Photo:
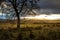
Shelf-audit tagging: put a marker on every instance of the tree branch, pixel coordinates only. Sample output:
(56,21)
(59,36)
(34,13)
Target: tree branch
(22,5)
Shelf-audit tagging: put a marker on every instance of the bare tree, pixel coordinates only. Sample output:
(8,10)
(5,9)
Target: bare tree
(21,4)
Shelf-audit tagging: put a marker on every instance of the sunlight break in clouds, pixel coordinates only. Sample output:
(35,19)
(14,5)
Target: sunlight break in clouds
(43,16)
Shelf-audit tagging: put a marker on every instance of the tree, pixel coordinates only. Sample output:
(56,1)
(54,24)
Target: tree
(19,5)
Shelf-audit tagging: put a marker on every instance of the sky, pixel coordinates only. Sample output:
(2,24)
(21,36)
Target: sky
(53,4)
(49,5)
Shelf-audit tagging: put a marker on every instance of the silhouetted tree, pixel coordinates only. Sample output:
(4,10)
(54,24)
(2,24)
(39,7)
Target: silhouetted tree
(19,5)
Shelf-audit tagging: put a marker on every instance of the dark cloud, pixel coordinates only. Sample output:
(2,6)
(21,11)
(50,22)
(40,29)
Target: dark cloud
(52,4)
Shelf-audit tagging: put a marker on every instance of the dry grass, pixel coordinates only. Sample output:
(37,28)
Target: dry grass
(29,23)
(30,30)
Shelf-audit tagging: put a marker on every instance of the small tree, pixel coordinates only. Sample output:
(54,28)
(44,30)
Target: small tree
(19,5)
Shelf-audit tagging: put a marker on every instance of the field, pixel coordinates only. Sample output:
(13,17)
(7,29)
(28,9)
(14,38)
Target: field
(30,30)
(5,24)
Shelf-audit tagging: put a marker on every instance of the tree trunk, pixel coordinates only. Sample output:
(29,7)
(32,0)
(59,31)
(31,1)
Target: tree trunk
(18,17)
(18,21)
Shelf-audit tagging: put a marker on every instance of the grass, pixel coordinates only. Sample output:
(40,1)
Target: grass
(30,30)
(29,23)
(30,34)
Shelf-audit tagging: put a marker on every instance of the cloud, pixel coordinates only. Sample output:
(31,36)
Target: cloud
(52,4)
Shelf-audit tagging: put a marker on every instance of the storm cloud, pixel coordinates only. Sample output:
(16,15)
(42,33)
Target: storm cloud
(52,4)
(49,6)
